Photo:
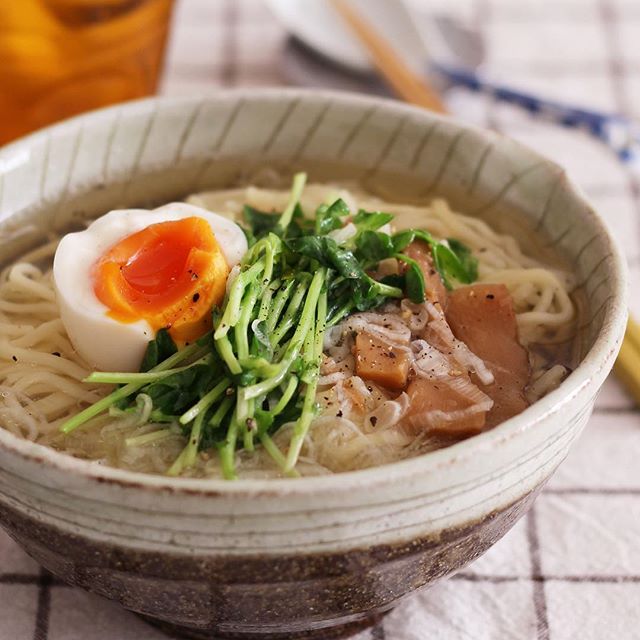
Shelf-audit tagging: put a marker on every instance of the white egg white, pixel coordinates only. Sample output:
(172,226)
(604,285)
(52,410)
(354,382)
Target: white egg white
(105,343)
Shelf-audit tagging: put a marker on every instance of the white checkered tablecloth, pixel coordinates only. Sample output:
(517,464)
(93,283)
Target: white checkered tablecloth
(571,568)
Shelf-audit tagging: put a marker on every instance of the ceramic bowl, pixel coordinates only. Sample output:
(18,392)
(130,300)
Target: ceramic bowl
(308,557)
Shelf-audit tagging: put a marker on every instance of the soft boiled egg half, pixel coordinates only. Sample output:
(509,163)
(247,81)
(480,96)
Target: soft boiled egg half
(133,272)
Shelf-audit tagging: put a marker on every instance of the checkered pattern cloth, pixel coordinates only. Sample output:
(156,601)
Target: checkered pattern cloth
(571,568)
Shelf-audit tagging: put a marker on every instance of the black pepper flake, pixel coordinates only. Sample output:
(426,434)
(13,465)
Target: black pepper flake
(196,297)
(57,354)
(339,414)
(490,296)
(14,358)
(194,276)
(373,421)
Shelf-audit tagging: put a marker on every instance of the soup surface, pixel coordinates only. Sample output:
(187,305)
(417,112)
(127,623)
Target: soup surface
(264,332)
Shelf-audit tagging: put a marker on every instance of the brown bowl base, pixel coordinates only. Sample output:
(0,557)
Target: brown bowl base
(332,633)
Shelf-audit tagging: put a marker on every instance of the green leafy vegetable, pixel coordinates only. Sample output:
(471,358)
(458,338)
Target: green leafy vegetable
(328,253)
(371,220)
(452,258)
(403,239)
(458,265)
(158,350)
(330,217)
(259,222)
(413,280)
(468,261)
(375,246)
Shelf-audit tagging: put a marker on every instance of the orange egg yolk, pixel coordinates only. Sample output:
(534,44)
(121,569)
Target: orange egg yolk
(169,274)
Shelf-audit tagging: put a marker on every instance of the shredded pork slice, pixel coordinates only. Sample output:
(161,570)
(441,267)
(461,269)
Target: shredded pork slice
(443,400)
(446,407)
(482,316)
(438,333)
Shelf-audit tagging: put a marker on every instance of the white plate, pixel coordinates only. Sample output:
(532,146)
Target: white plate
(320,27)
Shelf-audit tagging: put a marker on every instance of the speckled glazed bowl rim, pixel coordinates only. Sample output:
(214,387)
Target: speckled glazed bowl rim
(599,356)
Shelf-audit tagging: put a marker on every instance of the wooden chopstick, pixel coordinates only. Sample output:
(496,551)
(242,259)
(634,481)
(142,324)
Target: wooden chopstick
(627,366)
(404,82)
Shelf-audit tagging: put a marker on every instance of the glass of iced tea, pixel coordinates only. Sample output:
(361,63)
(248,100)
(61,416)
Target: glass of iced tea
(61,57)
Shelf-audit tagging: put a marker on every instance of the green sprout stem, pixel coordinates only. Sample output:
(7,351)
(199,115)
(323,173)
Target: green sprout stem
(267,297)
(297,341)
(287,394)
(228,451)
(232,312)
(191,450)
(299,180)
(272,449)
(308,408)
(241,329)
(119,394)
(290,315)
(278,304)
(205,402)
(178,464)
(223,408)
(148,438)
(225,350)
(249,431)
(121,377)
